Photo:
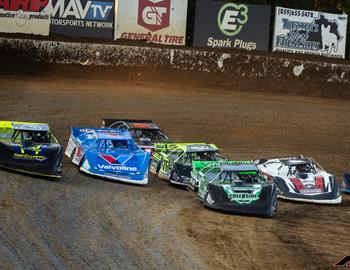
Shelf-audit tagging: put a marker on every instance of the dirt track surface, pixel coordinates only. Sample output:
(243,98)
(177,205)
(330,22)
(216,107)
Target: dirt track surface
(81,222)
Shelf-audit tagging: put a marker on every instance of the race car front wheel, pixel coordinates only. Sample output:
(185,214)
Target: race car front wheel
(273,206)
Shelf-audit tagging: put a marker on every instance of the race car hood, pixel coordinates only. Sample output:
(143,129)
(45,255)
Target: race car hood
(308,183)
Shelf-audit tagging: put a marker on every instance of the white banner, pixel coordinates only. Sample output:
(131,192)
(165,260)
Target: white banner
(28,17)
(156,21)
(310,32)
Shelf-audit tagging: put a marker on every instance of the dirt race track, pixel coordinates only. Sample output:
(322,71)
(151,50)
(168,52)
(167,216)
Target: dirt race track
(81,222)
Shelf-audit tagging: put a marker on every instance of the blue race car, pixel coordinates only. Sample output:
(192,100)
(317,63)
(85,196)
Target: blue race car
(108,153)
(345,187)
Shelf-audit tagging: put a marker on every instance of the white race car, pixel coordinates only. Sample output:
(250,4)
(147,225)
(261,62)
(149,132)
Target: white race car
(301,179)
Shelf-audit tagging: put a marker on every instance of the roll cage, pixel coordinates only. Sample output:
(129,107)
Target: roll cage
(32,136)
(153,132)
(218,176)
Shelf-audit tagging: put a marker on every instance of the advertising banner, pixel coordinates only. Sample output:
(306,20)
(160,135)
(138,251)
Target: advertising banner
(310,32)
(156,21)
(28,17)
(83,18)
(221,24)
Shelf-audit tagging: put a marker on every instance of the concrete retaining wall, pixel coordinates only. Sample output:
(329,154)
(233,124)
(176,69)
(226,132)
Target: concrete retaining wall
(246,65)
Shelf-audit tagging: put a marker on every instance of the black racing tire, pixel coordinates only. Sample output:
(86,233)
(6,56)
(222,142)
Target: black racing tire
(159,165)
(205,199)
(171,175)
(81,162)
(272,212)
(73,153)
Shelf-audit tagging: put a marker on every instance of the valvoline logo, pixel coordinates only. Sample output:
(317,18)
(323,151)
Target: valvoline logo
(116,164)
(122,159)
(89,10)
(154,14)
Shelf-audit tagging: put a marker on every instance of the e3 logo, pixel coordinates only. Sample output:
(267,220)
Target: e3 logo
(232,18)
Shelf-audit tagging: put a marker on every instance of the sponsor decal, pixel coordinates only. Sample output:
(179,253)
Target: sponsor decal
(156,21)
(117,168)
(310,32)
(232,18)
(85,18)
(30,156)
(24,16)
(121,159)
(243,195)
(344,262)
(154,14)
(230,25)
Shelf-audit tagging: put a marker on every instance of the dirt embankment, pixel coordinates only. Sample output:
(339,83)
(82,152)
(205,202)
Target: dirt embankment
(262,72)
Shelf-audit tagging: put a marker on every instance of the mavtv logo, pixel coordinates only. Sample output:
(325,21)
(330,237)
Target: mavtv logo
(154,14)
(92,10)
(345,262)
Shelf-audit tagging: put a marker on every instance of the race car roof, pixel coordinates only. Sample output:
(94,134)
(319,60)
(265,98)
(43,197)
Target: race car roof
(112,134)
(296,162)
(30,127)
(239,168)
(133,124)
(200,148)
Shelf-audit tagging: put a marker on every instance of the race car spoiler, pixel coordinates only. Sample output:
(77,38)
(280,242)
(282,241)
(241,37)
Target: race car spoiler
(172,146)
(24,126)
(130,123)
(200,165)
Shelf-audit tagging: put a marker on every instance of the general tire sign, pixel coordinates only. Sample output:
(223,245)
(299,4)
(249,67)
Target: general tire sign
(83,18)
(25,16)
(221,24)
(310,32)
(156,21)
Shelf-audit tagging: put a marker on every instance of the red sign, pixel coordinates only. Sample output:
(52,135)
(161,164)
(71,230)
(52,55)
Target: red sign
(25,5)
(154,14)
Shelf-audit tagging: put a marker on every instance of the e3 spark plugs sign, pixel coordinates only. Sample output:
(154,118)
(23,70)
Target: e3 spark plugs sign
(83,18)
(25,16)
(311,32)
(156,21)
(229,25)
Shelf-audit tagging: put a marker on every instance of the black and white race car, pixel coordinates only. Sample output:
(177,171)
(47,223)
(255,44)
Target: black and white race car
(145,132)
(301,179)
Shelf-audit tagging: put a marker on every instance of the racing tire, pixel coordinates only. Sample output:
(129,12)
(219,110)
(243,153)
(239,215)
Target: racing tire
(81,162)
(171,175)
(272,211)
(158,167)
(73,154)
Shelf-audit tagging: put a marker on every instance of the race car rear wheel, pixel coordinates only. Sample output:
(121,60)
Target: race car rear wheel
(73,153)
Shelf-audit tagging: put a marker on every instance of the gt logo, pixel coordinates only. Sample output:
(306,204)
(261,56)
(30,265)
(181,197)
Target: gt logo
(232,18)
(154,14)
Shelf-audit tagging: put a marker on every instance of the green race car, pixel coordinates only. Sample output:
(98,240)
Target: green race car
(234,187)
(173,161)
